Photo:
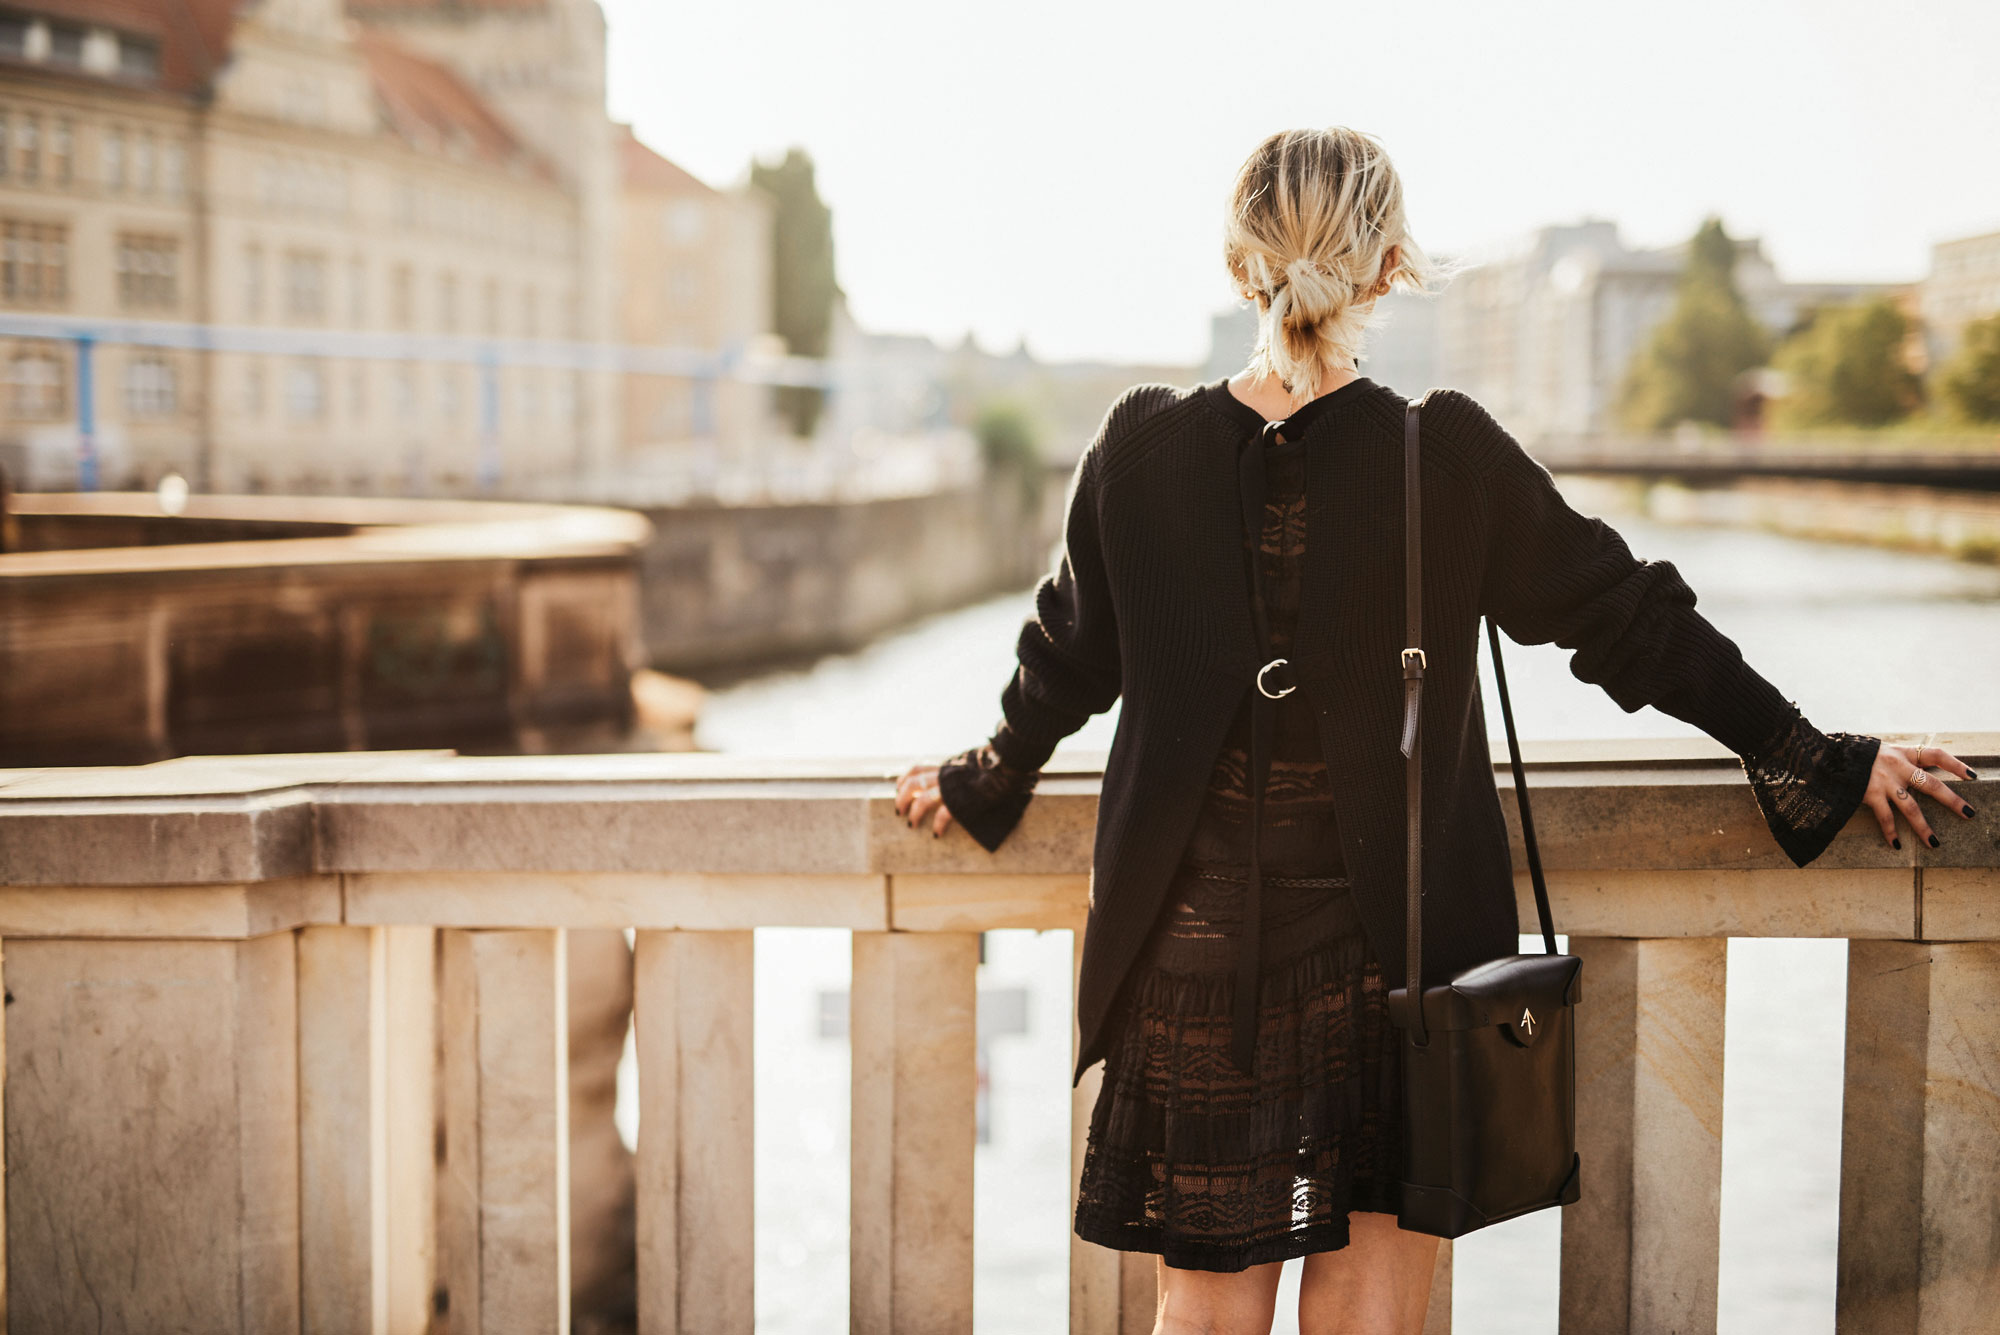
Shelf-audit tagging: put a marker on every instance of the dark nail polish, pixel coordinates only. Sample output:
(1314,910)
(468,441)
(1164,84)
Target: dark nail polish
(1934,842)
(1968,812)
(1896,843)
(1972,774)
(934,834)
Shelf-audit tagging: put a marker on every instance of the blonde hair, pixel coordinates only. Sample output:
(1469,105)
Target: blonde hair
(1312,218)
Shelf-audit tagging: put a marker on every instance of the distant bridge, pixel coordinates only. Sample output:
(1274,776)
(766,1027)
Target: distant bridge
(1970,463)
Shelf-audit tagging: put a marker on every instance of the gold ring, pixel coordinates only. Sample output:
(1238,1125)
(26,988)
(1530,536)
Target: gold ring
(1918,778)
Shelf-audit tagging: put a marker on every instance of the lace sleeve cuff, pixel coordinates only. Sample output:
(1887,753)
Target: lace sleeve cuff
(985,794)
(1807,783)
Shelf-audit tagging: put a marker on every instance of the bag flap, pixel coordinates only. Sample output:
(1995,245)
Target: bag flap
(1518,991)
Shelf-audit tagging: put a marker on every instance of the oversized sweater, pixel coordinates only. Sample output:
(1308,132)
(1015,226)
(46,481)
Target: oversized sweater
(1149,601)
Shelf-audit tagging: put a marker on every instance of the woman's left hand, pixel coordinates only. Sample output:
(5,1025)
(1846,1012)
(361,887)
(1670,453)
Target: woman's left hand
(918,799)
(1900,774)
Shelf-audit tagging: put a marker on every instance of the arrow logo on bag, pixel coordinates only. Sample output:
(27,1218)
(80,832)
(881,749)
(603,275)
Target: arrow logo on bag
(1527,1022)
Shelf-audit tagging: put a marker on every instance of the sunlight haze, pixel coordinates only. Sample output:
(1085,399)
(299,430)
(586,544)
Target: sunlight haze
(1057,171)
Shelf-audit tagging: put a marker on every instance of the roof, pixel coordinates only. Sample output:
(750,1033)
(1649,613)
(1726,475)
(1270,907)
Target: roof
(193,34)
(640,168)
(421,101)
(363,9)
(431,107)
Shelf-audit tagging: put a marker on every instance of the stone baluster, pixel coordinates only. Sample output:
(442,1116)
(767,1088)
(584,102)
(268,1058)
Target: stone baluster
(343,1051)
(1640,1249)
(1919,1232)
(503,1187)
(152,1134)
(1437,1318)
(914,1069)
(693,1000)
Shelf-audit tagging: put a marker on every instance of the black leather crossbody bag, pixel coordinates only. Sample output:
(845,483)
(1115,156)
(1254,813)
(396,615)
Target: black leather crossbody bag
(1489,1057)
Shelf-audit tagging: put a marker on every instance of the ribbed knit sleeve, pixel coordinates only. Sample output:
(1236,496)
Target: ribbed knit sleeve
(1556,576)
(1068,669)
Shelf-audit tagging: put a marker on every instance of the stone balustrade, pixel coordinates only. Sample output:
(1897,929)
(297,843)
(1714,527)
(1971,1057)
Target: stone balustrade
(244,994)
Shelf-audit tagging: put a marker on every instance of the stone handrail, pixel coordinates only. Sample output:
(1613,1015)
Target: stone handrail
(245,993)
(272,623)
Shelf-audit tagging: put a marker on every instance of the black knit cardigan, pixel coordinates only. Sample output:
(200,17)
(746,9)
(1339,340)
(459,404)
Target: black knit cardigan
(1148,600)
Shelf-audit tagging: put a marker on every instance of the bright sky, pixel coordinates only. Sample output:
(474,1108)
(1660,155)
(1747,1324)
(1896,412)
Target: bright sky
(1057,171)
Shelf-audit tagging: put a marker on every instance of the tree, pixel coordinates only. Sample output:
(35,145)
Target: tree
(1010,443)
(1970,381)
(803,290)
(1687,371)
(1847,368)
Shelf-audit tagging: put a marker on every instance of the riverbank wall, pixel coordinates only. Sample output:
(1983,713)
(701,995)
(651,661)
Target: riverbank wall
(728,588)
(1965,525)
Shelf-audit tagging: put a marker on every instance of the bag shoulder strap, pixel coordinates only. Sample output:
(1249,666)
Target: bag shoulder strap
(1413,665)
(1413,699)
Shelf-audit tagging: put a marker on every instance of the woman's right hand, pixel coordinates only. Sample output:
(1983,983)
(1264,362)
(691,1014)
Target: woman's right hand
(1902,772)
(918,799)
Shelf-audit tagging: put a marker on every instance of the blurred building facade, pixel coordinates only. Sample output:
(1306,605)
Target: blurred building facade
(912,387)
(694,270)
(1963,285)
(436,182)
(1542,333)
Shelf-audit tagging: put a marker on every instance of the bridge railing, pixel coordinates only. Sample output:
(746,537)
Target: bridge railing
(285,1036)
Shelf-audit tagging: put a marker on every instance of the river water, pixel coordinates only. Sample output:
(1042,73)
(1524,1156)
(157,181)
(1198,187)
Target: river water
(1866,640)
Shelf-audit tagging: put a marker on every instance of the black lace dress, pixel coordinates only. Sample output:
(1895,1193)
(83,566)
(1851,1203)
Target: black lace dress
(1190,1158)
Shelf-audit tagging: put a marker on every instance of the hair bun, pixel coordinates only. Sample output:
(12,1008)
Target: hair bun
(1316,291)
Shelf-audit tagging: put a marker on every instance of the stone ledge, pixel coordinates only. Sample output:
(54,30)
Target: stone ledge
(233,820)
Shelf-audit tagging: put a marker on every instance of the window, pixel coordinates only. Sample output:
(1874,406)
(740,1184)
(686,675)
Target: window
(34,263)
(405,391)
(173,170)
(447,302)
(30,147)
(149,388)
(683,286)
(357,293)
(142,163)
(402,297)
(684,221)
(62,150)
(305,392)
(114,159)
(14,36)
(36,388)
(65,45)
(148,270)
(305,286)
(253,281)
(138,58)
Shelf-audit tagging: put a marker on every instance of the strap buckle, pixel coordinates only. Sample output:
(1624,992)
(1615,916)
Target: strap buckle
(1270,694)
(1416,668)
